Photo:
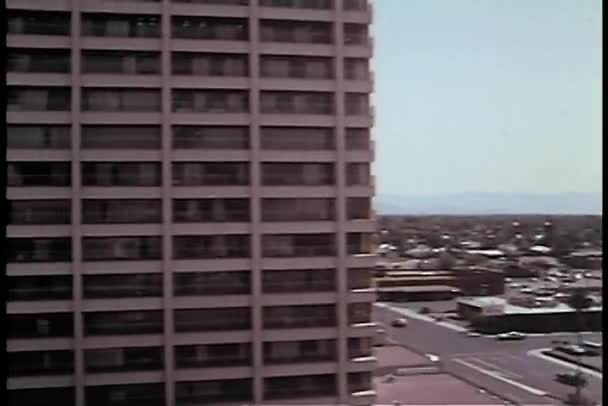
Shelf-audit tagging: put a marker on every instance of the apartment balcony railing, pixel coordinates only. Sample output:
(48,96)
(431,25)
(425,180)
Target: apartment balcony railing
(123,328)
(287,286)
(319,251)
(201,289)
(211,325)
(217,2)
(17,366)
(38,64)
(121,291)
(40,293)
(306,391)
(140,27)
(304,4)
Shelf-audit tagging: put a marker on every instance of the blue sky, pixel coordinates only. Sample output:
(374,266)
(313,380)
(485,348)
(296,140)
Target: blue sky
(487,96)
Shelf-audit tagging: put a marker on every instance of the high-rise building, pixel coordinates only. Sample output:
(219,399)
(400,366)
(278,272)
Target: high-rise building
(190,202)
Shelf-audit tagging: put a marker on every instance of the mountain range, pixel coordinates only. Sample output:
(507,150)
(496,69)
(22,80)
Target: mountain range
(490,203)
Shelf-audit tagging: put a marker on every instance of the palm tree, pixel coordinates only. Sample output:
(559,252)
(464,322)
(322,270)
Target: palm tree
(579,301)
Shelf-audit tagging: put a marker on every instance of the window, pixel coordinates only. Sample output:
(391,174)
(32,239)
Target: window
(148,394)
(33,60)
(121,248)
(359,243)
(124,359)
(37,137)
(279,352)
(121,211)
(40,325)
(39,212)
(359,381)
(212,355)
(30,98)
(355,34)
(357,139)
(211,283)
(39,250)
(285,102)
(360,347)
(37,363)
(358,208)
(300,386)
(184,63)
(218,319)
(210,101)
(296,67)
(304,280)
(311,4)
(355,4)
(119,62)
(304,209)
(359,278)
(125,322)
(297,138)
(298,245)
(120,25)
(39,287)
(42,396)
(210,174)
(204,137)
(38,174)
(356,69)
(118,100)
(121,137)
(212,392)
(210,28)
(306,32)
(210,210)
(297,174)
(283,317)
(211,246)
(359,313)
(120,174)
(357,104)
(357,174)
(38,22)
(123,285)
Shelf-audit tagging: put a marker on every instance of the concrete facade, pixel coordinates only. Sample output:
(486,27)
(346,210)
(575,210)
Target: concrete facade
(190,202)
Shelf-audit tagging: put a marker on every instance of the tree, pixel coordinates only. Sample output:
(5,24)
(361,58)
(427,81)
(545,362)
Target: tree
(579,300)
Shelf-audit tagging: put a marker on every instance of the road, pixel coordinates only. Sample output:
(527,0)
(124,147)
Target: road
(502,367)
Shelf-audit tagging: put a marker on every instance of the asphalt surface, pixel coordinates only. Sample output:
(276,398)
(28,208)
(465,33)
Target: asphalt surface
(501,367)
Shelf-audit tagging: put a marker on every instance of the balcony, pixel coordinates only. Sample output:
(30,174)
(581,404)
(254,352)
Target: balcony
(39,288)
(293,281)
(213,355)
(40,325)
(120,26)
(287,317)
(40,363)
(294,352)
(122,286)
(210,210)
(210,174)
(210,392)
(38,99)
(121,248)
(298,245)
(211,283)
(147,394)
(293,387)
(298,103)
(220,319)
(123,323)
(211,247)
(42,396)
(116,100)
(298,174)
(44,23)
(210,28)
(26,137)
(33,250)
(124,359)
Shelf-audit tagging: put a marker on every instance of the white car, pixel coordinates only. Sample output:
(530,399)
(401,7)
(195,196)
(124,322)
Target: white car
(473,334)
(511,335)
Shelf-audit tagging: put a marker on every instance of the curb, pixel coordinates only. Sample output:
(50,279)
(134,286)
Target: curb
(565,358)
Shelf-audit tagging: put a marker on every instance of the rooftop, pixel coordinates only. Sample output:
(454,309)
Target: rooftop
(411,289)
(430,389)
(509,308)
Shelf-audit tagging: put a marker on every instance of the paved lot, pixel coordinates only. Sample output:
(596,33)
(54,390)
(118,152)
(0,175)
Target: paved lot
(499,366)
(435,389)
(395,356)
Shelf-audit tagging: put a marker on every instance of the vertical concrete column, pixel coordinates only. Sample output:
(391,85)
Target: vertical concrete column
(342,255)
(255,203)
(79,373)
(167,204)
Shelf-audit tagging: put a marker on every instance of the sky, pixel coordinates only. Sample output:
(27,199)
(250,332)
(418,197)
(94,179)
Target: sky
(497,96)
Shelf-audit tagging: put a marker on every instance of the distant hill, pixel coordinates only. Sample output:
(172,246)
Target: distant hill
(490,203)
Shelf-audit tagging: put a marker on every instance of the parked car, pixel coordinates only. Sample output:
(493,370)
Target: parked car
(511,335)
(473,334)
(571,349)
(399,322)
(571,379)
(591,344)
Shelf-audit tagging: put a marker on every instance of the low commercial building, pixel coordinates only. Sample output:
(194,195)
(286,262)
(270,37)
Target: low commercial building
(479,281)
(585,259)
(416,293)
(493,315)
